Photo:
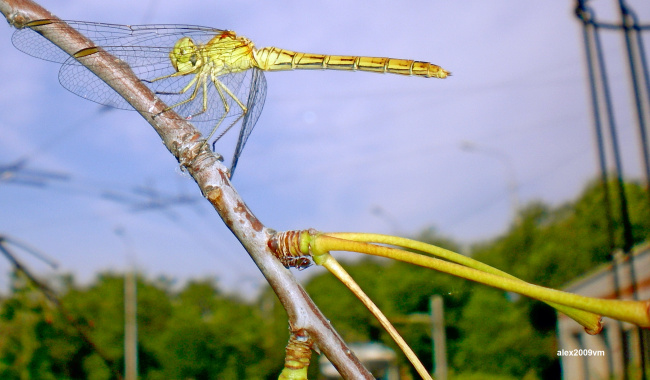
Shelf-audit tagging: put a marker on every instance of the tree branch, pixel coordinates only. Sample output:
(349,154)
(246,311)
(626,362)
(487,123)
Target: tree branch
(184,142)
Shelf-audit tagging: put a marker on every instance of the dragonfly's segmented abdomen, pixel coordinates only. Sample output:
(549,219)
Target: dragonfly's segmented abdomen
(272,59)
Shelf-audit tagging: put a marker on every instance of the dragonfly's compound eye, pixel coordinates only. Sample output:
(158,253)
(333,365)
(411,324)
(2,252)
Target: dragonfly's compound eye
(185,56)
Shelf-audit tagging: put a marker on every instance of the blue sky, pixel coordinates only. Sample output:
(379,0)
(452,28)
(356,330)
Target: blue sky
(330,148)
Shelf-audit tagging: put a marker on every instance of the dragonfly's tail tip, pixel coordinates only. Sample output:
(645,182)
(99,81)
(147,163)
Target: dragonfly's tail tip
(441,73)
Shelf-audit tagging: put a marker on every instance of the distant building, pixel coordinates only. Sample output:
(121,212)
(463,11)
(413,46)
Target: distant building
(616,350)
(379,359)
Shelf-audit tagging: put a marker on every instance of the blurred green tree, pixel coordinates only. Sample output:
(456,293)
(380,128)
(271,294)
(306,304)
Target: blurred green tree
(198,332)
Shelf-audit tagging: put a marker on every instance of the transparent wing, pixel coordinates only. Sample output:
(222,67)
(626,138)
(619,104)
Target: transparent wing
(146,48)
(30,41)
(255,103)
(149,63)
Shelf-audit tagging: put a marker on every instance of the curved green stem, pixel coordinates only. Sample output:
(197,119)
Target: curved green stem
(636,312)
(591,321)
(329,262)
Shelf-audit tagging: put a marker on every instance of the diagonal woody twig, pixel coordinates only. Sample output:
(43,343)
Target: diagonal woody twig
(183,141)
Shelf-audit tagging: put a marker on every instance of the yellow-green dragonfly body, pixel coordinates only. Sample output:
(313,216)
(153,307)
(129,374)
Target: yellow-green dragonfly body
(203,74)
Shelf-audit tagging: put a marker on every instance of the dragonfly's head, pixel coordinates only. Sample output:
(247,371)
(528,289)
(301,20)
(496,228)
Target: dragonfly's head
(185,55)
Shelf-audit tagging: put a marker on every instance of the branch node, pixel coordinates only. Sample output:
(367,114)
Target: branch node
(290,248)
(298,356)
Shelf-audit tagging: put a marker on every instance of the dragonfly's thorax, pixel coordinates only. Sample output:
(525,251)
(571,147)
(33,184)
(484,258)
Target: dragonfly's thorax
(225,51)
(229,52)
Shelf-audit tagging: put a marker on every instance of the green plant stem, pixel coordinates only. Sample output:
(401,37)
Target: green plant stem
(329,262)
(590,321)
(629,311)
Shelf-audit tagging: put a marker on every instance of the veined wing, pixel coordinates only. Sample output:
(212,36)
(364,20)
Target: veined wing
(149,63)
(145,48)
(29,40)
(255,103)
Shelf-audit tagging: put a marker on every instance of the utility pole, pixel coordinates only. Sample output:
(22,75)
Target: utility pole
(439,337)
(130,311)
(130,327)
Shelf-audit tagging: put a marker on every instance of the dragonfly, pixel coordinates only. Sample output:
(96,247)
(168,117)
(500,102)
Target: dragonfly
(209,76)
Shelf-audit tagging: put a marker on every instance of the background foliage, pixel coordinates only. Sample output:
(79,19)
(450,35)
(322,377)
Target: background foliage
(197,332)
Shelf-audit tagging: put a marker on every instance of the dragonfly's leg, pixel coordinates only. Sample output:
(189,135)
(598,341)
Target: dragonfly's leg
(176,74)
(184,90)
(205,101)
(219,85)
(226,109)
(221,88)
(194,82)
(226,130)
